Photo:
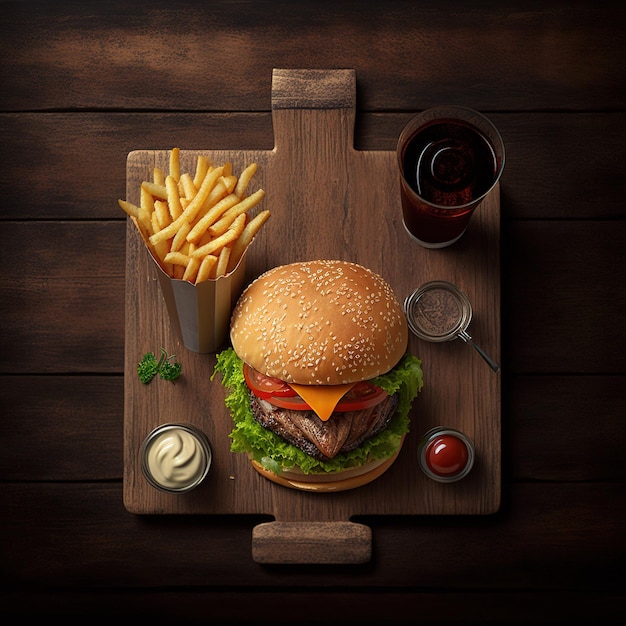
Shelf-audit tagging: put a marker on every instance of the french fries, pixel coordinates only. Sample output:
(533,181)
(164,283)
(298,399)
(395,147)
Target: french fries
(197,225)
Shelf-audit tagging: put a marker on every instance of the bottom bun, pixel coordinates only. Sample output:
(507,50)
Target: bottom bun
(332,481)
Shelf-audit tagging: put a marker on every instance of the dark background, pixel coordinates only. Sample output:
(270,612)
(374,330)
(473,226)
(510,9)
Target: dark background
(84,83)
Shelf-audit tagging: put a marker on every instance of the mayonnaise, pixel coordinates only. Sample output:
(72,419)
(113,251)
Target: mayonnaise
(176,457)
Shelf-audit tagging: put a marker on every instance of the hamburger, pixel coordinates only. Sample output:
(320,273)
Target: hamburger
(320,382)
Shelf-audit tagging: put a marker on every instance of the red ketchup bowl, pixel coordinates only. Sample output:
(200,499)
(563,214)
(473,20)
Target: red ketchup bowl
(446,455)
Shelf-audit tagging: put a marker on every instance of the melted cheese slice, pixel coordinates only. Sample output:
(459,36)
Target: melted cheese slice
(322,398)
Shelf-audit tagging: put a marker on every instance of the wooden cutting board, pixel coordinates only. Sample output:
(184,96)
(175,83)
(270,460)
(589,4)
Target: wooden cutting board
(330,201)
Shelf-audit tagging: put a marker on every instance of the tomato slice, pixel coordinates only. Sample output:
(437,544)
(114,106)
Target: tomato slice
(266,386)
(362,396)
(295,403)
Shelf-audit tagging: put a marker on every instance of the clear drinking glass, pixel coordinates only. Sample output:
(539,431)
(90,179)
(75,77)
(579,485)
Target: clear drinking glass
(450,158)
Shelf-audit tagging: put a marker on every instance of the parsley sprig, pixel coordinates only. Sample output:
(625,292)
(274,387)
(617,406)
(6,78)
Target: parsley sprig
(166,367)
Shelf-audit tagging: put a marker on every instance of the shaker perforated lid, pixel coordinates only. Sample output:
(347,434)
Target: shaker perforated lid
(438,311)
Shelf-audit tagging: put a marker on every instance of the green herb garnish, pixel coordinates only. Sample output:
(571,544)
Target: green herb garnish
(166,367)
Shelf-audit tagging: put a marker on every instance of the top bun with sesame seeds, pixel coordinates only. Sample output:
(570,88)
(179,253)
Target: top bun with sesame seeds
(320,380)
(322,322)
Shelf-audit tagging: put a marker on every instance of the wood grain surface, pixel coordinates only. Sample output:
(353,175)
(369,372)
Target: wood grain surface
(353,215)
(85,83)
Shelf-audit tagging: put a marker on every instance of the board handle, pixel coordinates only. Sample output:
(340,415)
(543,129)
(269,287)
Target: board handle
(312,110)
(311,543)
(313,89)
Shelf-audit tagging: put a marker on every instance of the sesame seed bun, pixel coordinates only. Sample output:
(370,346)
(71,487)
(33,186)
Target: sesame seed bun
(319,323)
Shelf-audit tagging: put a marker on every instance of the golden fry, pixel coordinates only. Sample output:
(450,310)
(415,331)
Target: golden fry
(146,200)
(189,189)
(206,265)
(204,239)
(246,237)
(145,234)
(230,182)
(155,227)
(216,244)
(186,248)
(230,235)
(222,188)
(158,252)
(129,208)
(180,237)
(156,191)
(191,271)
(139,228)
(158,177)
(145,221)
(161,250)
(202,167)
(238,209)
(177,258)
(173,198)
(162,211)
(202,225)
(239,224)
(146,209)
(244,179)
(175,164)
(222,262)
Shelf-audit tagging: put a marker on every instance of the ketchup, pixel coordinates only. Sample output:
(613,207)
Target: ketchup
(446,454)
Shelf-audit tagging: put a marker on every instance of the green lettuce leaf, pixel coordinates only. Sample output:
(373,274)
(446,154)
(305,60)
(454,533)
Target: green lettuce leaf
(272,452)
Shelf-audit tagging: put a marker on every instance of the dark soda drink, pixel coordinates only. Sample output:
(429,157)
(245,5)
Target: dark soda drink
(448,165)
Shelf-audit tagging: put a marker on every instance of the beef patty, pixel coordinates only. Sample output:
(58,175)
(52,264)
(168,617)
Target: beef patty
(323,440)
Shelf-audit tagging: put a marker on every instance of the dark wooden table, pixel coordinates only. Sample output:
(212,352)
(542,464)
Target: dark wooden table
(84,83)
